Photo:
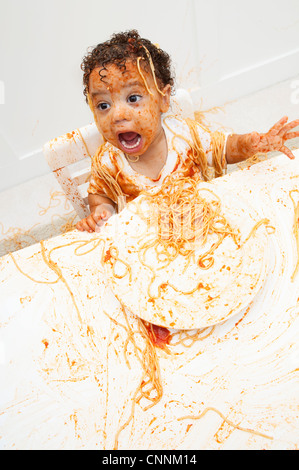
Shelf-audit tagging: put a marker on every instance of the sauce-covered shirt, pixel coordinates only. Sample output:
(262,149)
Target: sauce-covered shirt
(179,160)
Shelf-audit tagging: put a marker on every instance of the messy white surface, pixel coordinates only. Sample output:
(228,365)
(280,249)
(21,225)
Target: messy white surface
(69,369)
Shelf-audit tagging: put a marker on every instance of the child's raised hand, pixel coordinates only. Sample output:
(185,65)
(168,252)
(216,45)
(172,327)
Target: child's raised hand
(96,219)
(274,139)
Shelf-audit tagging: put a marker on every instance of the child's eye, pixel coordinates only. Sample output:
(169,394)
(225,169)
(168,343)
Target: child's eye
(103,106)
(134,98)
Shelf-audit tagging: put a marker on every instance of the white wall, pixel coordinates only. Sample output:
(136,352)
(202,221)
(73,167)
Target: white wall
(245,46)
(221,49)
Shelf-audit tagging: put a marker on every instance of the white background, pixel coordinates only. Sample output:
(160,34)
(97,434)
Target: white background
(221,50)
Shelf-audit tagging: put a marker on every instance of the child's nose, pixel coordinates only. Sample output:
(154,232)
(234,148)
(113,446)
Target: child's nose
(121,112)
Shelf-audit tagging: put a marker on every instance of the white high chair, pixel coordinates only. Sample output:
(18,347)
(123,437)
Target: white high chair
(69,156)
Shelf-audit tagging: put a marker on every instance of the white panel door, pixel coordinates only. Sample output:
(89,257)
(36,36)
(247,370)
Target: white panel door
(244,46)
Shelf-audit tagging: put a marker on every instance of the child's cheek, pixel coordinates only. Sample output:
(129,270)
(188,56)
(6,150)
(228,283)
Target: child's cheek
(148,126)
(105,130)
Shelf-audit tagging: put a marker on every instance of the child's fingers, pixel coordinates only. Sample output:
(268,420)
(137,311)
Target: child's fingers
(277,126)
(104,216)
(292,135)
(78,226)
(101,220)
(91,222)
(83,226)
(97,219)
(287,152)
(99,224)
(94,221)
(99,214)
(289,126)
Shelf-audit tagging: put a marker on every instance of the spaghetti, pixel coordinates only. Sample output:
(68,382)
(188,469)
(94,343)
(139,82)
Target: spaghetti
(230,423)
(142,76)
(152,69)
(188,217)
(150,387)
(197,152)
(102,173)
(184,219)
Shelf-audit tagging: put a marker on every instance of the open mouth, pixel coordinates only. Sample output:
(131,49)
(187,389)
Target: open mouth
(130,141)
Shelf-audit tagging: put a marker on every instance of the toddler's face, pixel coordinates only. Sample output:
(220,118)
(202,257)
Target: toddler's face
(127,115)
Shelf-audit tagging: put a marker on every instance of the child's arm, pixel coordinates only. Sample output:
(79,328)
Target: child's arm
(240,147)
(101,208)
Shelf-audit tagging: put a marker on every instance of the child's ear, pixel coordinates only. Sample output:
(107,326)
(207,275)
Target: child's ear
(165,101)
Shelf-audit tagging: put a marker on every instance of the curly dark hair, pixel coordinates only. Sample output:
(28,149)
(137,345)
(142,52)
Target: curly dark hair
(122,47)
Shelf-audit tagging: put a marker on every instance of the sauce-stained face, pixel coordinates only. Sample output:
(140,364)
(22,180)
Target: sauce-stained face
(127,110)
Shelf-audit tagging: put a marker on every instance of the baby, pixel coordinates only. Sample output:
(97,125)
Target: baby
(128,85)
